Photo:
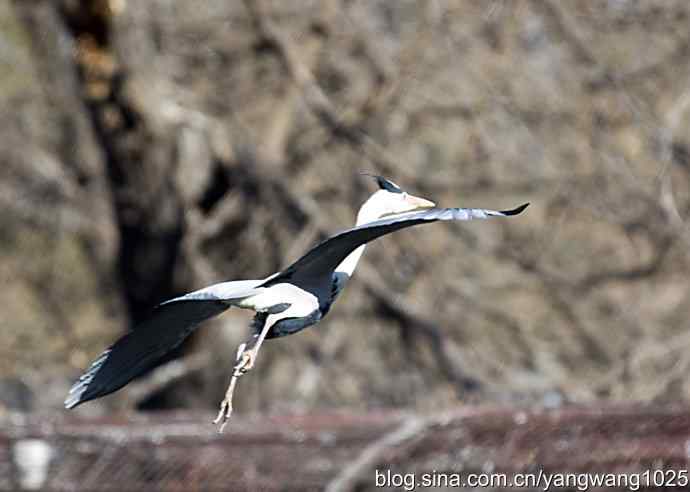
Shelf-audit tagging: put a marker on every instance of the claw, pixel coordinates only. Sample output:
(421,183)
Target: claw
(245,362)
(226,405)
(224,414)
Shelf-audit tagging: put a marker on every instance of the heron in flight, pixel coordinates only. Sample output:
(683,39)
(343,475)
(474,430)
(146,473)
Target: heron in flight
(285,302)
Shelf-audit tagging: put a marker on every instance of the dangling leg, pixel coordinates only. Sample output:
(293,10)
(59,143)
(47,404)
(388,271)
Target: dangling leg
(246,357)
(226,404)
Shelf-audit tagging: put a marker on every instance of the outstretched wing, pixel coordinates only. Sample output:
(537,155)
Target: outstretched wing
(144,347)
(325,257)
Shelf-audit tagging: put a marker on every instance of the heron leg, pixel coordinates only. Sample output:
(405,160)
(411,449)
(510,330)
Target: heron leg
(246,357)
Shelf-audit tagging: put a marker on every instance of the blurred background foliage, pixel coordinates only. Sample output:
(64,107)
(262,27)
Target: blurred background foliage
(151,148)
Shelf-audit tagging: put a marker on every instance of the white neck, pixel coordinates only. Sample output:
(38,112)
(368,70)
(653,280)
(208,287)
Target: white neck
(367,213)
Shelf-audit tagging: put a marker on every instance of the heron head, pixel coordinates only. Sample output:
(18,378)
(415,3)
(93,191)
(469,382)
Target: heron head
(390,199)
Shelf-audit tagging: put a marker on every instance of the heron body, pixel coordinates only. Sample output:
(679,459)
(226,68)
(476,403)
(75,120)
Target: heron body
(285,303)
(285,309)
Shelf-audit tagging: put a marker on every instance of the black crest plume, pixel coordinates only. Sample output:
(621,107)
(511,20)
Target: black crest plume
(384,184)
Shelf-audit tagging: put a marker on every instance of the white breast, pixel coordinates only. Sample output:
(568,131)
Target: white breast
(302,303)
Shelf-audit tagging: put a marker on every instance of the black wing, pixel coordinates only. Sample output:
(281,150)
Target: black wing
(142,349)
(325,257)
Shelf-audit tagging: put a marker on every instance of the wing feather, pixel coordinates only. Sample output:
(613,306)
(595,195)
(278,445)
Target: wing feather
(326,256)
(143,348)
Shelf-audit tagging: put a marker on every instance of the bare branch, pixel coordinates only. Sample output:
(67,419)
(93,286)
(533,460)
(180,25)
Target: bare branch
(408,432)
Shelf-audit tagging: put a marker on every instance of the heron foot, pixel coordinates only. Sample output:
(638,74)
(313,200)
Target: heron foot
(245,362)
(224,413)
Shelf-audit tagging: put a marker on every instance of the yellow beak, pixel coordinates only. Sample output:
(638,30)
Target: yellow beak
(418,202)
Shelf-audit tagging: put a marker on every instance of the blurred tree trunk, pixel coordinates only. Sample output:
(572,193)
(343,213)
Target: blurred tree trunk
(139,157)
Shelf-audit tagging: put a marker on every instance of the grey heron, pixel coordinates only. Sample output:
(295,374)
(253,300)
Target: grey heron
(285,302)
